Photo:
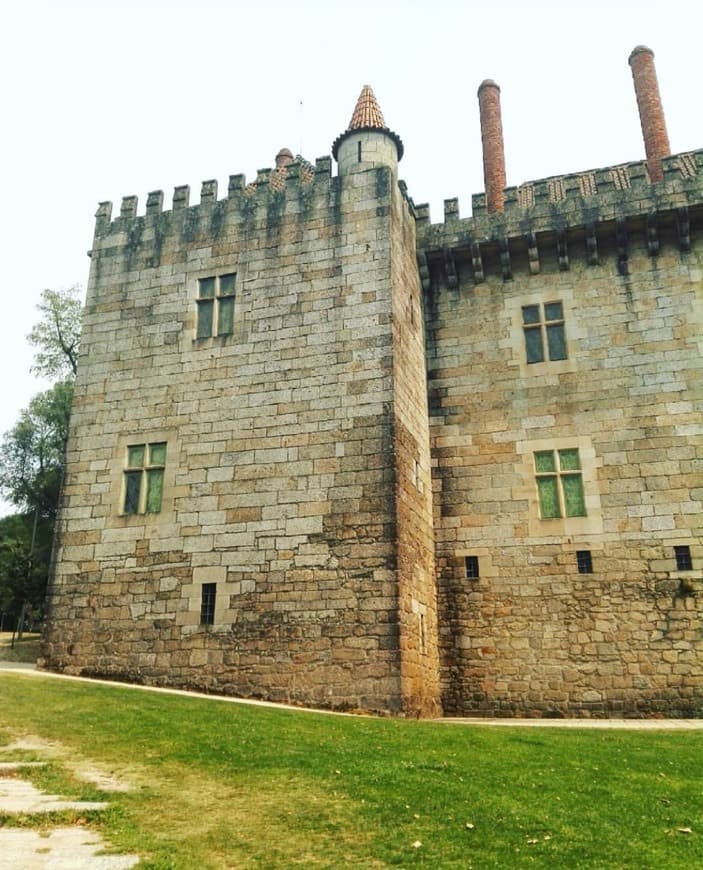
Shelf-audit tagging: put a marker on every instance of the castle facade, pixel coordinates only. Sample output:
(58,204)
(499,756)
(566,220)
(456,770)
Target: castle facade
(325,451)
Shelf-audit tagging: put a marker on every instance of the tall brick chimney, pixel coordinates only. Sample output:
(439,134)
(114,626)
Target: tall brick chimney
(656,140)
(492,139)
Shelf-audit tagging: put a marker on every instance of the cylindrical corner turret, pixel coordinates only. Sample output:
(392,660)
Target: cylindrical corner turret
(367,142)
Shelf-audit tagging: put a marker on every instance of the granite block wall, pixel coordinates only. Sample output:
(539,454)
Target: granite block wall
(279,483)
(531,634)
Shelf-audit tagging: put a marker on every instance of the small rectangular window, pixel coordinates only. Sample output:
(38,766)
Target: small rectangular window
(683,558)
(584,561)
(545,337)
(216,305)
(471,567)
(208,597)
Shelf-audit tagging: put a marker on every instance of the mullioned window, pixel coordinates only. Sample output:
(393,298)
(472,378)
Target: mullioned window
(144,478)
(216,305)
(545,338)
(559,484)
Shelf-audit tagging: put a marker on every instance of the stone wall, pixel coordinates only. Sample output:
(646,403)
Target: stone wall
(531,634)
(363,552)
(413,495)
(280,480)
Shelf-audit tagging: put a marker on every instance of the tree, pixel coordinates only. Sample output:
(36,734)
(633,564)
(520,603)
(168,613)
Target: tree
(23,568)
(57,335)
(32,456)
(32,452)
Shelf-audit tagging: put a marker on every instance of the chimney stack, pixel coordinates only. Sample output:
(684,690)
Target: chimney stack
(492,140)
(283,158)
(656,140)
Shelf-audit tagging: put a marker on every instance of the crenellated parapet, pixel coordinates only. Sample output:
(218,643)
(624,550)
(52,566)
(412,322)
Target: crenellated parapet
(289,191)
(581,214)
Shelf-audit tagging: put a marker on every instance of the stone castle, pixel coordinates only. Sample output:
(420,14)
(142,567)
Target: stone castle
(325,451)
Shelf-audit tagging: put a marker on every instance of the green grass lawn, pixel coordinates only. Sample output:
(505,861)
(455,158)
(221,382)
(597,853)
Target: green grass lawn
(227,785)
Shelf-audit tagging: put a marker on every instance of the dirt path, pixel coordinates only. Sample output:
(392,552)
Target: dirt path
(58,847)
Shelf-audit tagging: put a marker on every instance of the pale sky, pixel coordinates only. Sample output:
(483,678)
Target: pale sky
(106,99)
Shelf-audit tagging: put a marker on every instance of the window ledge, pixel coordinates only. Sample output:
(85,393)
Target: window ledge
(212,340)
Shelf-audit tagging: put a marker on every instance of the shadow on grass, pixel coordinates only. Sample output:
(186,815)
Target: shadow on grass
(25,650)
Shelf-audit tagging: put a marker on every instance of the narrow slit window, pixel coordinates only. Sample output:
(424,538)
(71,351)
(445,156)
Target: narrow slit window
(683,558)
(208,597)
(358,146)
(584,561)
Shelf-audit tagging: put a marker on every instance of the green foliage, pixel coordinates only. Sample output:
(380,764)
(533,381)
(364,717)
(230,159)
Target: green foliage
(57,335)
(32,452)
(32,456)
(23,571)
(218,784)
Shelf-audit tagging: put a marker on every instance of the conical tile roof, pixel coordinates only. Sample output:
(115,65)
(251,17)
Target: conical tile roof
(367,112)
(367,115)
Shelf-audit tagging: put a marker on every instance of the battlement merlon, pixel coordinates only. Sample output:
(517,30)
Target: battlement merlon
(296,177)
(564,204)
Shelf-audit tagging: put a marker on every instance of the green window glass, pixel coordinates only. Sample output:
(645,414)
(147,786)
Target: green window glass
(227,285)
(157,454)
(135,456)
(154,490)
(553,311)
(206,288)
(205,311)
(530,314)
(533,345)
(556,341)
(548,497)
(144,478)
(559,484)
(216,305)
(544,461)
(574,503)
(133,485)
(569,460)
(543,326)
(225,316)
